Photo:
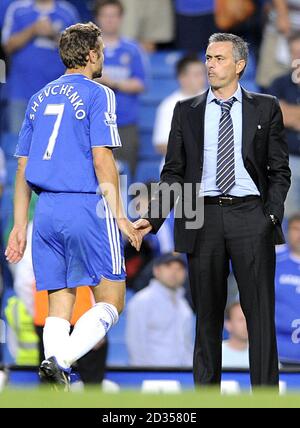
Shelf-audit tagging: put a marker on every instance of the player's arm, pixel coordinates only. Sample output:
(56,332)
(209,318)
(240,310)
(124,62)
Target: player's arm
(109,181)
(18,237)
(104,137)
(17,240)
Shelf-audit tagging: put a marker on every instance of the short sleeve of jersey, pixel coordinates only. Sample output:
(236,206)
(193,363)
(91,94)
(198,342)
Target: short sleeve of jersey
(25,136)
(103,120)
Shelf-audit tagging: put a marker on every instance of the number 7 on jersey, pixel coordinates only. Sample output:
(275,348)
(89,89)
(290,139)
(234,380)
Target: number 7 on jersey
(53,110)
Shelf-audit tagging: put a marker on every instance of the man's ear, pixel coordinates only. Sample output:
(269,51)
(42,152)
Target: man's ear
(92,57)
(240,66)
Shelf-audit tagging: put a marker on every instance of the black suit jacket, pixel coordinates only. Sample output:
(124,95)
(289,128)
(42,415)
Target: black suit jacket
(264,150)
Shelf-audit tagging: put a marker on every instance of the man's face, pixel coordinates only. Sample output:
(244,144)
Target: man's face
(109,19)
(193,79)
(222,70)
(236,325)
(172,275)
(98,66)
(294,237)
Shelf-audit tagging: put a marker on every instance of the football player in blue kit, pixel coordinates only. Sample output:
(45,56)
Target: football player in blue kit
(65,153)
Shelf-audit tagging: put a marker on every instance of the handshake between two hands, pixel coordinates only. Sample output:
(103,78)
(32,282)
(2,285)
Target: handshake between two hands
(136,231)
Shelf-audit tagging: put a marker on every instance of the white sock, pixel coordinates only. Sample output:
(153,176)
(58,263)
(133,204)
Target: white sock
(89,330)
(56,336)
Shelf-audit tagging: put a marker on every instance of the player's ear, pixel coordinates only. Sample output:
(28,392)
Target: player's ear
(92,57)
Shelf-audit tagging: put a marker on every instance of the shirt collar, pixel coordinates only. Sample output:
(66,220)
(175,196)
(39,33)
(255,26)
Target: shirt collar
(238,95)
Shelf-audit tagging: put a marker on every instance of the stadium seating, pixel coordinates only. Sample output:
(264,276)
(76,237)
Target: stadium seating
(8,143)
(147,170)
(117,350)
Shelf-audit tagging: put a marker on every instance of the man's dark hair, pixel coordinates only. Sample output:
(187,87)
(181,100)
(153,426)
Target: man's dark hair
(240,47)
(76,42)
(184,63)
(293,219)
(100,4)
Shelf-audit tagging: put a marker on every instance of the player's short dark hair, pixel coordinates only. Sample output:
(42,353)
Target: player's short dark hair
(100,4)
(183,64)
(76,42)
(295,218)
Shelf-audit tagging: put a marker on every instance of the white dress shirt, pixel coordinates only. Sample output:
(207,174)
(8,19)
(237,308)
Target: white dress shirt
(244,185)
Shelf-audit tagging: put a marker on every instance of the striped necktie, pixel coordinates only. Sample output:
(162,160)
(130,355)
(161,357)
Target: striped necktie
(225,160)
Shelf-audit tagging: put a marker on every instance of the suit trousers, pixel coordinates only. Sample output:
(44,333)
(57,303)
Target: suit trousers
(243,234)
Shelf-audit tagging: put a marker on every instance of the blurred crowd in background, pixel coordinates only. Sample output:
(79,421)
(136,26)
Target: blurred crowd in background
(154,57)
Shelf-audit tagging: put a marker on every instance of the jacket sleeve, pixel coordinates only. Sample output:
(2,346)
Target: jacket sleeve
(172,176)
(279,173)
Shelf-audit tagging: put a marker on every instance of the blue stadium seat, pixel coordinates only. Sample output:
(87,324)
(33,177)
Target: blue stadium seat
(147,117)
(7,206)
(11,167)
(158,89)
(9,143)
(147,171)
(249,85)
(117,355)
(250,71)
(146,149)
(163,63)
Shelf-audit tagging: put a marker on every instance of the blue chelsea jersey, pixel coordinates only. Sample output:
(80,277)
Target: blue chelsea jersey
(63,122)
(288,308)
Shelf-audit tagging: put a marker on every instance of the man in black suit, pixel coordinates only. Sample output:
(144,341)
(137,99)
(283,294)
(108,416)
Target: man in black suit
(232,142)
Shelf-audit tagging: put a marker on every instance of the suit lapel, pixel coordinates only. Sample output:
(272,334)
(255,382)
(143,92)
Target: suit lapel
(251,115)
(196,118)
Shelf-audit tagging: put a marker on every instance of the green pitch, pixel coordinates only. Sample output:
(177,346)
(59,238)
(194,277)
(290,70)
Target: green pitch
(93,398)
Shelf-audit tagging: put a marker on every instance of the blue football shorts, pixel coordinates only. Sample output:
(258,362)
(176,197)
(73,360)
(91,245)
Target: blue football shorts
(76,241)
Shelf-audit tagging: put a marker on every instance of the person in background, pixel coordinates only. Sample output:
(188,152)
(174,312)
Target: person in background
(3,8)
(149,22)
(235,350)
(282,21)
(29,37)
(191,75)
(287,89)
(124,72)
(287,282)
(195,23)
(159,329)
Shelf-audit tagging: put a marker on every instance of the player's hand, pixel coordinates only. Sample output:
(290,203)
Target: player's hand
(134,236)
(143,226)
(16,244)
(44,28)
